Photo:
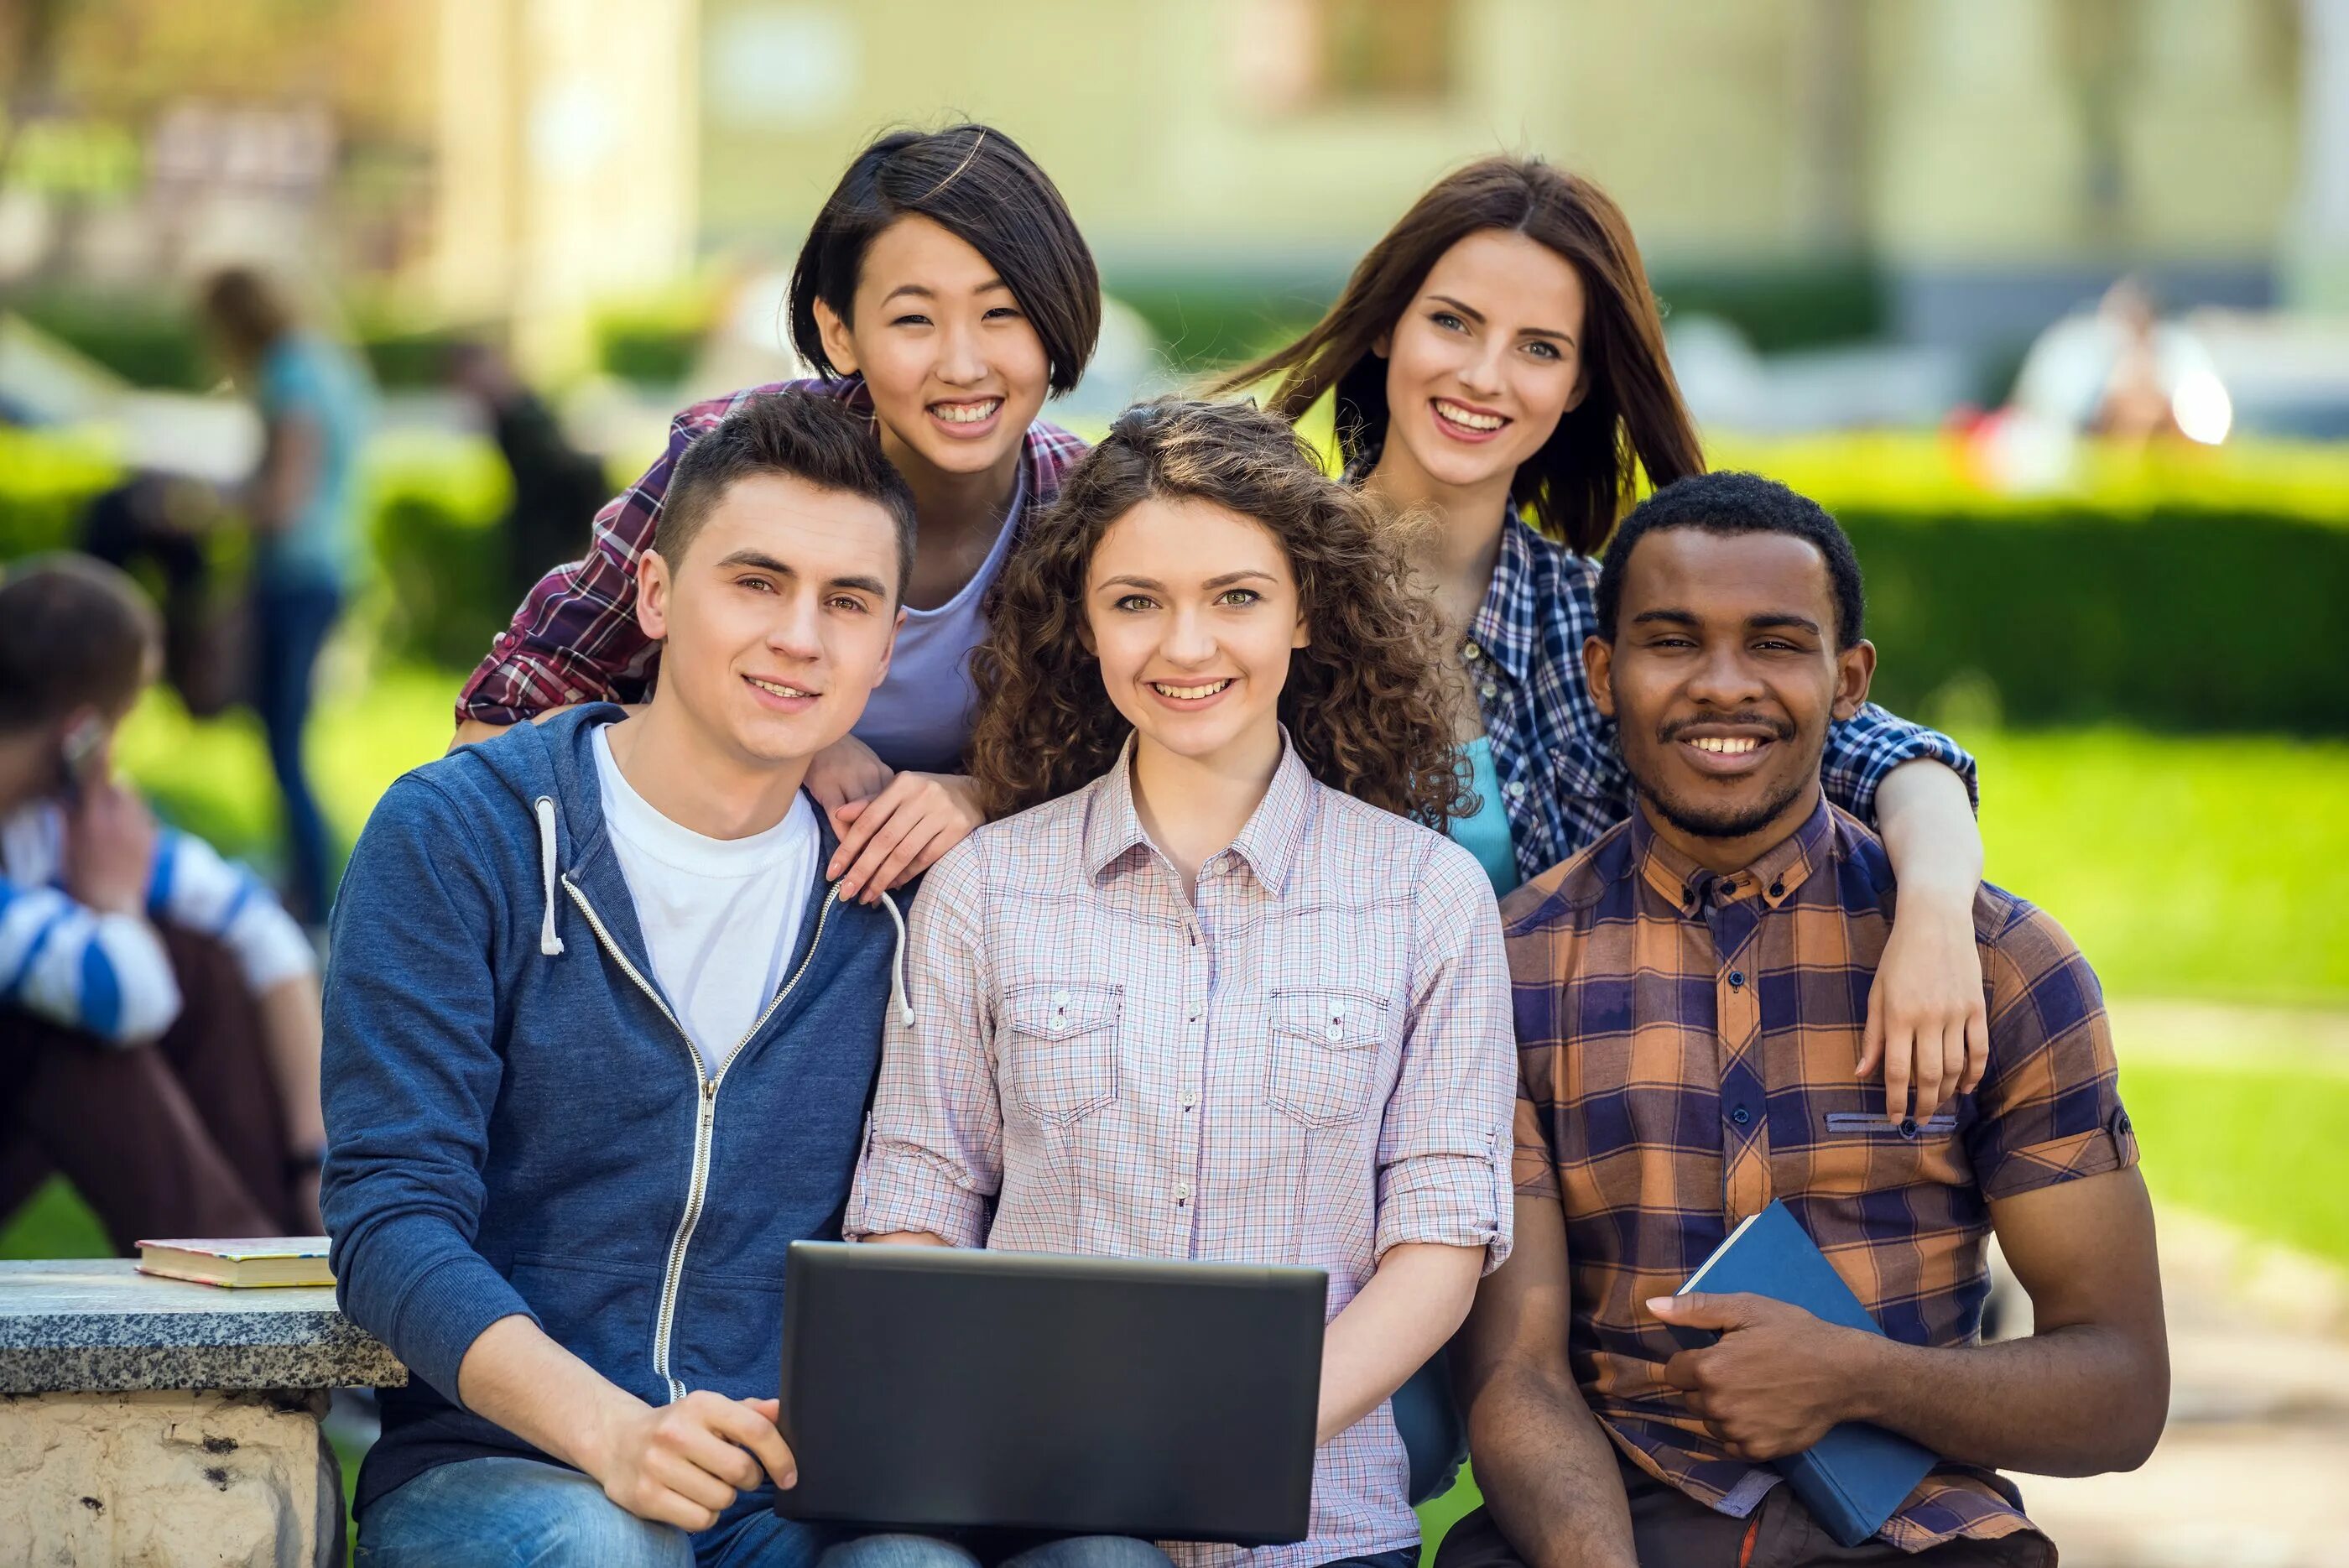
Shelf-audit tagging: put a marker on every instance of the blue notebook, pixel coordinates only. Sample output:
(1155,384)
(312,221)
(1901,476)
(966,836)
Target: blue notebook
(1852,1478)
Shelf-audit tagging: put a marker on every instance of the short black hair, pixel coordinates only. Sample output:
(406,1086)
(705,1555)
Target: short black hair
(975,183)
(802,435)
(1730,502)
(73,633)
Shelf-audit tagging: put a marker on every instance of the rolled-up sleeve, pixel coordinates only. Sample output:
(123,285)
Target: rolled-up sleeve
(934,1146)
(1863,749)
(1445,1146)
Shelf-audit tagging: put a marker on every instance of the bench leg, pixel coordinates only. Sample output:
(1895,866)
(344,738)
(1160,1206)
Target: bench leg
(169,1479)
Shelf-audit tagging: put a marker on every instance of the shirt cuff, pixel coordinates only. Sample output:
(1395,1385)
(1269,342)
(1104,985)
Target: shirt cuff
(904,1187)
(2112,1147)
(1446,1199)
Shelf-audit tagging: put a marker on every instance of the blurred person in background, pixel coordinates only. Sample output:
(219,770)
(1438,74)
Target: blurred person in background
(1498,364)
(557,488)
(943,293)
(158,1011)
(304,501)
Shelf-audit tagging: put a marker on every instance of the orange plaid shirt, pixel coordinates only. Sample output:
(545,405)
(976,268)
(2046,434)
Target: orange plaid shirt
(1686,1044)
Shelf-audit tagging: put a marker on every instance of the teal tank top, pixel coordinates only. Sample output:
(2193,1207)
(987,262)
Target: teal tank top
(1486,834)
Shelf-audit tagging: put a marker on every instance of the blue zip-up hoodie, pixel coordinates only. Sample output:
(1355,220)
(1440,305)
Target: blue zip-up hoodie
(516,1123)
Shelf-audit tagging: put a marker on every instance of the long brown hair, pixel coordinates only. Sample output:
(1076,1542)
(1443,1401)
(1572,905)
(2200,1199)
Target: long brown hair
(1581,480)
(1364,703)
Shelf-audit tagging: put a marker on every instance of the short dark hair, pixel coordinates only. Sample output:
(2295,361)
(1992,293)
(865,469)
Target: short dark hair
(975,183)
(73,633)
(802,435)
(1728,502)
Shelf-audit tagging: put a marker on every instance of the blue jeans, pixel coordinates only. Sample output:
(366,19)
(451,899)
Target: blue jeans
(291,621)
(522,1514)
(891,1550)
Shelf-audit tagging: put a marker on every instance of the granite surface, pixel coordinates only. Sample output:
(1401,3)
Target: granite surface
(97,1325)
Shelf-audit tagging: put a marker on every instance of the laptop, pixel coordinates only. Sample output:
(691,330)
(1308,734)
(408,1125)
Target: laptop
(937,1388)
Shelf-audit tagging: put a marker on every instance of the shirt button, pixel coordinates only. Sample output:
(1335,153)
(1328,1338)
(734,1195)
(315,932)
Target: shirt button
(1189,1100)
(1182,1193)
(1515,790)
(1336,1030)
(1741,1116)
(1736,977)
(1488,690)
(1470,650)
(1060,999)
(1777,889)
(1908,1127)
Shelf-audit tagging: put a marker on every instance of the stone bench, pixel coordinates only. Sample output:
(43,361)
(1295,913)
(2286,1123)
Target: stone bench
(153,1421)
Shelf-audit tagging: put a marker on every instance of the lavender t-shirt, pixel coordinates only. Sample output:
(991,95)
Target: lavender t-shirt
(920,717)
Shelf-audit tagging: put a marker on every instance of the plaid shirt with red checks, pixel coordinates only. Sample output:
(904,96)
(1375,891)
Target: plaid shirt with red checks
(576,637)
(1685,1045)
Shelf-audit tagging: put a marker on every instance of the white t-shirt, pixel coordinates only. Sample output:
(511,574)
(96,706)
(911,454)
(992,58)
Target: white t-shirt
(721,916)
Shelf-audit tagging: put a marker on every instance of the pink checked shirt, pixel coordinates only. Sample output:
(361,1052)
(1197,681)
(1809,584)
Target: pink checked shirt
(1314,1064)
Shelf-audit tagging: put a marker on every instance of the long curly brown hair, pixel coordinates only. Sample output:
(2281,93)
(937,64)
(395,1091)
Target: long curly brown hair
(1366,701)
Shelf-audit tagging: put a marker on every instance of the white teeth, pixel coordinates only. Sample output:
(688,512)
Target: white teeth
(1185,692)
(779,690)
(966,413)
(1459,416)
(1726,745)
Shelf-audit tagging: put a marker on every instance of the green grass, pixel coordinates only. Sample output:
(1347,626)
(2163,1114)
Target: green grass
(2258,1145)
(2183,866)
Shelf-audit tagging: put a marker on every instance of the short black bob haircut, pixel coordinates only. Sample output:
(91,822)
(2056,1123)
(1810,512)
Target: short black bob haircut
(805,436)
(1728,502)
(975,183)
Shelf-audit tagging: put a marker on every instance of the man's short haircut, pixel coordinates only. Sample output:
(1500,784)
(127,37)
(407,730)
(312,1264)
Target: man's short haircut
(975,184)
(1732,503)
(817,439)
(73,633)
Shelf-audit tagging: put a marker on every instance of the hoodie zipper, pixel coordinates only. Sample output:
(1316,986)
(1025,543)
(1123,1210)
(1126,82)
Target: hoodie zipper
(697,1187)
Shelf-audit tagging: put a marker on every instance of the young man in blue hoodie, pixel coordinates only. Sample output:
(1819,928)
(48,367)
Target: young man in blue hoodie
(599,1039)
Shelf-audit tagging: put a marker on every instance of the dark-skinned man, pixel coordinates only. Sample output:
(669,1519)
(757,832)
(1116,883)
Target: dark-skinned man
(1691,994)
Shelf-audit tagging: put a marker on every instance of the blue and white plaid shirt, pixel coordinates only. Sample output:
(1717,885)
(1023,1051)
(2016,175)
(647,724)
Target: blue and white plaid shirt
(1563,781)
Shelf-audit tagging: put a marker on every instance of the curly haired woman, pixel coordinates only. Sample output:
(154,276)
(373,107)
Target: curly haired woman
(1212,986)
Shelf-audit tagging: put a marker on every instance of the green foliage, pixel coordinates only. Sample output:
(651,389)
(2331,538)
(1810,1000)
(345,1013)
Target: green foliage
(158,344)
(653,341)
(1778,309)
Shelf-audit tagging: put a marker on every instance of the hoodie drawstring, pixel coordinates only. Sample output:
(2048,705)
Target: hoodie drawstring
(898,966)
(548,942)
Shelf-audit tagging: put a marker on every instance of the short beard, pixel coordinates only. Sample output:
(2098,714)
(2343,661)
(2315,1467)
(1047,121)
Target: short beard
(1700,824)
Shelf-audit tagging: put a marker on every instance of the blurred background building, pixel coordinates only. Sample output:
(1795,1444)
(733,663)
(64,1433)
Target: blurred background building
(1950,175)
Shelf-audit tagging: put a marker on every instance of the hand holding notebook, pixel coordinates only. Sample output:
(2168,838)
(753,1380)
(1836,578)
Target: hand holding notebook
(1772,1333)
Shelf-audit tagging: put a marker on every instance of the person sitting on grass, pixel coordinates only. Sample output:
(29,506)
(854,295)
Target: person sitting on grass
(1691,994)
(1214,985)
(159,1011)
(600,1036)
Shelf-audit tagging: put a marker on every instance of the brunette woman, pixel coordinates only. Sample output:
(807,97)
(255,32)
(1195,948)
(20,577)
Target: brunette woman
(1498,364)
(944,290)
(1208,988)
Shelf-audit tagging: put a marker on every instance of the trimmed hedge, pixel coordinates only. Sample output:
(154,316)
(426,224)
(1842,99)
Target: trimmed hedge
(2203,591)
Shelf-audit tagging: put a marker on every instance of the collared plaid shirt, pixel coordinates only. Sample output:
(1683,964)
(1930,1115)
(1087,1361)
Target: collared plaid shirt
(1310,1066)
(576,637)
(1562,780)
(1685,1048)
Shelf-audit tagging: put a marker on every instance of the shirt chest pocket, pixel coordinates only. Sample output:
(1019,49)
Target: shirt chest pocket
(1326,1052)
(1857,1152)
(1060,1047)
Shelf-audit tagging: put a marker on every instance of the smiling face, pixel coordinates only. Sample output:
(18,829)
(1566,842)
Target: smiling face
(1722,678)
(1193,611)
(1486,361)
(955,369)
(776,625)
